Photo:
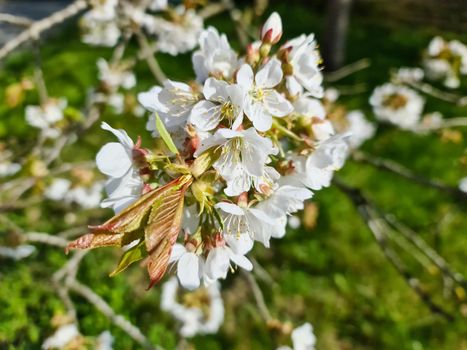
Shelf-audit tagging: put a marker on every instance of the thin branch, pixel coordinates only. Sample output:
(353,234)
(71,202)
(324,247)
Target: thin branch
(15,20)
(258,295)
(379,228)
(430,253)
(398,169)
(101,305)
(45,238)
(439,94)
(347,70)
(443,124)
(35,30)
(148,55)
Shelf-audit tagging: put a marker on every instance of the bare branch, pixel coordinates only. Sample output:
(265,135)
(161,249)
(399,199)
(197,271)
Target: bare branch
(101,305)
(379,229)
(258,295)
(347,70)
(147,53)
(439,94)
(45,238)
(35,30)
(398,169)
(15,20)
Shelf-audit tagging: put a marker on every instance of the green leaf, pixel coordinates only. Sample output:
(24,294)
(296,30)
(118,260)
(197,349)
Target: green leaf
(131,256)
(165,135)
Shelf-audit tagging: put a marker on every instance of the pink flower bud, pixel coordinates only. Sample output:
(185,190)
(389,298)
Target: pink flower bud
(272,29)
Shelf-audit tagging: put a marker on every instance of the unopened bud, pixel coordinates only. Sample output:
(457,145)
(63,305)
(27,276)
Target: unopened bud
(272,29)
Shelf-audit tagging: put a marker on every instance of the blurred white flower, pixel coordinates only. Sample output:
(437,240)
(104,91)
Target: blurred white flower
(99,33)
(46,116)
(294,222)
(303,338)
(408,75)
(62,337)
(58,189)
(8,168)
(177,36)
(215,57)
(200,311)
(446,60)
(157,5)
(17,253)
(463,184)
(359,128)
(104,341)
(397,105)
(115,76)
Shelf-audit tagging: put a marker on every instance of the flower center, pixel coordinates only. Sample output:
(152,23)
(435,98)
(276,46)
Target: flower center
(395,101)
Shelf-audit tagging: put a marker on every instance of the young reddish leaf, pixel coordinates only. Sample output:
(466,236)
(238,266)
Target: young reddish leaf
(126,226)
(162,229)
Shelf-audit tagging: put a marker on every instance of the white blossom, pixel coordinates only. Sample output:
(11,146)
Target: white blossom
(242,152)
(397,105)
(262,101)
(62,337)
(199,312)
(223,101)
(99,33)
(190,266)
(463,184)
(17,253)
(105,341)
(219,261)
(114,76)
(304,59)
(9,168)
(303,338)
(46,116)
(446,60)
(175,37)
(115,159)
(215,57)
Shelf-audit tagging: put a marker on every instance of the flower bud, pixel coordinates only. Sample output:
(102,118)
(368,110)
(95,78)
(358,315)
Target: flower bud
(272,29)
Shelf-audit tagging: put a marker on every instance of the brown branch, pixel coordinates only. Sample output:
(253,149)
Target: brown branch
(37,28)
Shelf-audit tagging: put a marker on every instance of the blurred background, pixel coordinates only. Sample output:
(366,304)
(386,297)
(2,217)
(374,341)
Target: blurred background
(331,272)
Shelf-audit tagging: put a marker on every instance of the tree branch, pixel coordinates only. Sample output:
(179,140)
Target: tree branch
(35,29)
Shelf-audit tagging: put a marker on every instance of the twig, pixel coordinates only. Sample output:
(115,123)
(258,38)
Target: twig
(379,230)
(430,253)
(15,20)
(258,295)
(347,70)
(101,305)
(35,30)
(148,55)
(439,94)
(443,124)
(45,238)
(398,169)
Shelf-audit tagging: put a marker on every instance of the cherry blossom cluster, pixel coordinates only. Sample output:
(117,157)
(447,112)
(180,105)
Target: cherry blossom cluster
(245,145)
(176,27)
(398,102)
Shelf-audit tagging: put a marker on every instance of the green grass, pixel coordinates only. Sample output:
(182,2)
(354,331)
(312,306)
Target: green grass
(334,276)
